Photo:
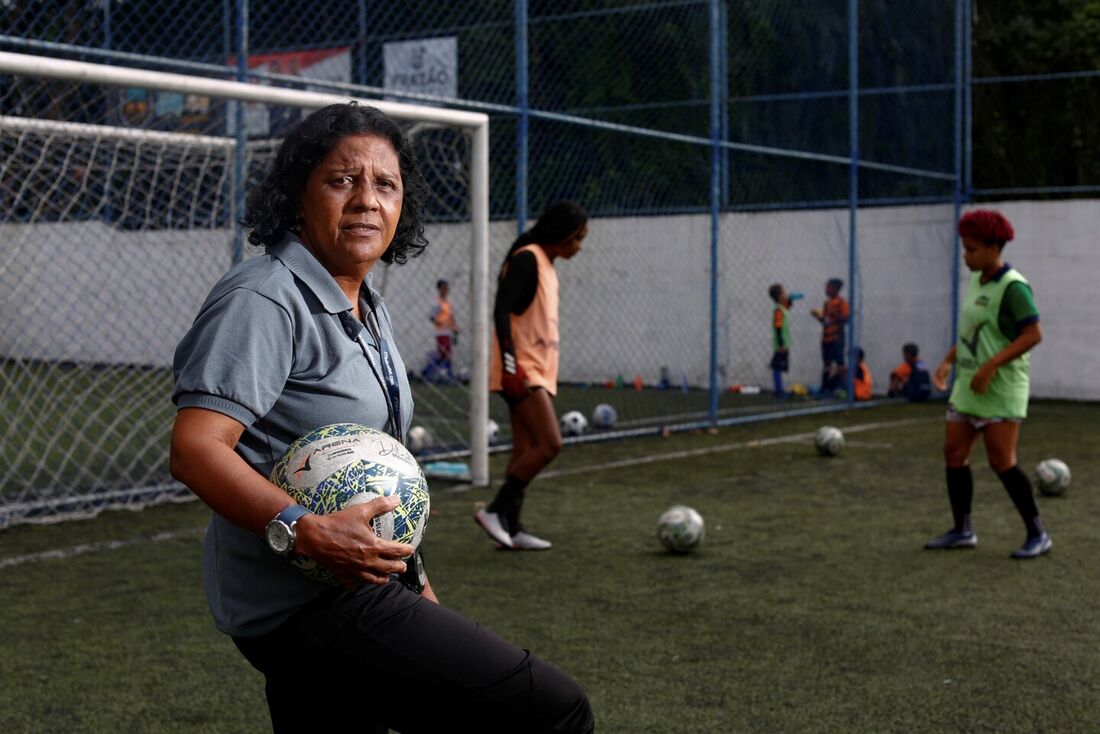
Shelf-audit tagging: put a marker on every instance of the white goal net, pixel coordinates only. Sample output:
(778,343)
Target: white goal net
(111,234)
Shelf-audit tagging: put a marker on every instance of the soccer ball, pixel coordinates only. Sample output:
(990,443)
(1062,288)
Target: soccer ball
(604,416)
(1052,476)
(418,438)
(680,529)
(573,423)
(346,464)
(829,441)
(493,430)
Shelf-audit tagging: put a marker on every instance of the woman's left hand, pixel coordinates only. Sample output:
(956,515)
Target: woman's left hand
(980,382)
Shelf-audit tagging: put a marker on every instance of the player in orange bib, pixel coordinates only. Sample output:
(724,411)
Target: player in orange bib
(523,366)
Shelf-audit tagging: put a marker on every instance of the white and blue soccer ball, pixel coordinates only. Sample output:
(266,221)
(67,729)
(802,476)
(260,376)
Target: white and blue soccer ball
(604,416)
(574,423)
(1052,477)
(418,439)
(680,529)
(345,464)
(829,441)
(492,429)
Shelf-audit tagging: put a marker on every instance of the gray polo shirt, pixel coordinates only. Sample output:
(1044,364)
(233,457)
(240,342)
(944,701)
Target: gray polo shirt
(268,349)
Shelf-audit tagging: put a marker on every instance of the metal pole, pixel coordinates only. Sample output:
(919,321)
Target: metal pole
(853,195)
(361,54)
(108,41)
(724,65)
(968,101)
(239,152)
(524,116)
(960,35)
(715,195)
(479,306)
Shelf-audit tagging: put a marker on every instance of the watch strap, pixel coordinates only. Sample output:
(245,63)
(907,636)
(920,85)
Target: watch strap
(291,514)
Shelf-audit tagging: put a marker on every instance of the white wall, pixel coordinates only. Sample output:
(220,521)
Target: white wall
(636,299)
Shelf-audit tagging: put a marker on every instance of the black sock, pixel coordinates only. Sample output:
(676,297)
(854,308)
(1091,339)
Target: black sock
(1019,489)
(960,490)
(509,502)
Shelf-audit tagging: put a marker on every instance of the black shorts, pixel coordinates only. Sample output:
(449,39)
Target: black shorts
(388,658)
(781,361)
(513,402)
(832,353)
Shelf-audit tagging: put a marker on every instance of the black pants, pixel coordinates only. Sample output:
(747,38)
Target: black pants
(382,657)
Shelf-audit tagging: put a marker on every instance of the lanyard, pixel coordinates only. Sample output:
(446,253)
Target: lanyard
(387,375)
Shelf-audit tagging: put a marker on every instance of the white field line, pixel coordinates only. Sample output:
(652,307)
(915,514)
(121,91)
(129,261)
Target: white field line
(755,443)
(79,550)
(86,548)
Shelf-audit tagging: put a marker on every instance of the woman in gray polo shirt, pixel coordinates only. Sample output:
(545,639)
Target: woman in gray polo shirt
(293,340)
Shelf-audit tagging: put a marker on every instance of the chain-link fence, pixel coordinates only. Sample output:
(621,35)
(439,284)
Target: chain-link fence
(720,146)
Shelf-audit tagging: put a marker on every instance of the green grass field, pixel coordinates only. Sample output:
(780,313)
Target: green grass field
(810,607)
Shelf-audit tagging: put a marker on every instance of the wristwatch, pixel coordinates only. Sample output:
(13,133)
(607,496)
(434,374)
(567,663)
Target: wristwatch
(281,533)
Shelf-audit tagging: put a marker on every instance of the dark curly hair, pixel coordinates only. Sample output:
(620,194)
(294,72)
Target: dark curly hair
(272,207)
(988,226)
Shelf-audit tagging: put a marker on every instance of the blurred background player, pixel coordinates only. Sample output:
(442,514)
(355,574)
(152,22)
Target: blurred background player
(862,383)
(998,325)
(446,330)
(833,316)
(781,335)
(524,363)
(910,379)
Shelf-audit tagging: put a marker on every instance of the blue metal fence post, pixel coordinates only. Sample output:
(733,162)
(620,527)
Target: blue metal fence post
(715,195)
(524,115)
(853,197)
(239,151)
(108,42)
(960,36)
(361,54)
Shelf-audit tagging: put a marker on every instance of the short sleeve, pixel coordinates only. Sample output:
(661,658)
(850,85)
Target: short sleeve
(1018,304)
(236,357)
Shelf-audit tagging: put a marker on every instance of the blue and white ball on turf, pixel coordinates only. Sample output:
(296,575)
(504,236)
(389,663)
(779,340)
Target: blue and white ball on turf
(829,441)
(574,423)
(345,464)
(1052,477)
(680,529)
(604,416)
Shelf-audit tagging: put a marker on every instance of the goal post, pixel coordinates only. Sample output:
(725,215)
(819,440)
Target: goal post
(102,222)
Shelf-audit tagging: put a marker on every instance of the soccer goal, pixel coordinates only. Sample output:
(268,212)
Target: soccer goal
(120,190)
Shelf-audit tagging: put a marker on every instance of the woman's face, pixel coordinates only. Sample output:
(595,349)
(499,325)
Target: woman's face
(351,204)
(979,256)
(572,246)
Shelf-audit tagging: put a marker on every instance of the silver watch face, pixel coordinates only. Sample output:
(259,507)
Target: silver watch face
(278,537)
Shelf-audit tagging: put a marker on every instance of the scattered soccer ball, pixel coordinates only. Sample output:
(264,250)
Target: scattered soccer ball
(604,416)
(573,423)
(493,429)
(1052,477)
(346,464)
(680,529)
(829,441)
(418,438)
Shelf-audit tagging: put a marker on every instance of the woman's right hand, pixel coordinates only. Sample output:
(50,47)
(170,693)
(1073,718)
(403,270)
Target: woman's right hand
(939,380)
(345,544)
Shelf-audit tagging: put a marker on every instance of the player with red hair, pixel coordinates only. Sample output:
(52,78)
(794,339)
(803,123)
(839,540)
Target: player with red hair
(998,326)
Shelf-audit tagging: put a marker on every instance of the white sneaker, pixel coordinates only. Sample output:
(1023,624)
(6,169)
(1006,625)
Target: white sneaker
(525,541)
(493,527)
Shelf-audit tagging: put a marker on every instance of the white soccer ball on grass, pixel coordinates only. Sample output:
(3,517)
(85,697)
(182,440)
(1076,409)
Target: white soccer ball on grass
(1052,477)
(574,423)
(680,529)
(829,441)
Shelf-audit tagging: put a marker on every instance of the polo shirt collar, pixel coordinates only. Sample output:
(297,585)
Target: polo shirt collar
(300,261)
